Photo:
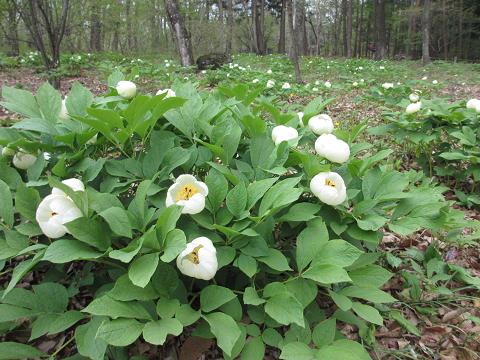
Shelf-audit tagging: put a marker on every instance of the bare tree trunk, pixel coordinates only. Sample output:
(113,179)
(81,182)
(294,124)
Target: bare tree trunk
(349,27)
(380,30)
(444,28)
(426,32)
(129,25)
(182,36)
(230,27)
(12,31)
(294,40)
(257,25)
(281,40)
(95,27)
(411,30)
(460,31)
(344,26)
(300,27)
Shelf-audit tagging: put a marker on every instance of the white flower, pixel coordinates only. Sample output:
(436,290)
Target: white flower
(300,118)
(414,97)
(413,108)
(283,133)
(317,82)
(329,187)
(362,80)
(270,84)
(331,148)
(126,89)
(269,71)
(435,82)
(204,71)
(355,83)
(63,115)
(473,104)
(255,81)
(199,259)
(170,93)
(6,151)
(424,78)
(387,85)
(290,76)
(189,193)
(382,67)
(72,183)
(23,160)
(286,86)
(321,124)
(328,84)
(47,156)
(54,212)
(315,89)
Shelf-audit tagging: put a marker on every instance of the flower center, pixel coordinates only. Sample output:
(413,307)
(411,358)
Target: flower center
(329,182)
(193,256)
(53,213)
(186,192)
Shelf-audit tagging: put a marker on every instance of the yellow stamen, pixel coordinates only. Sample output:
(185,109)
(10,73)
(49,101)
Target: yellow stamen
(186,192)
(329,182)
(193,256)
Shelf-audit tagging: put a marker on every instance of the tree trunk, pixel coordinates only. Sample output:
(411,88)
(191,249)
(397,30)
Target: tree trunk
(445,32)
(381,41)
(129,25)
(460,31)
(12,30)
(294,41)
(426,32)
(344,26)
(349,27)
(300,27)
(411,30)
(230,27)
(182,36)
(95,27)
(281,40)
(257,11)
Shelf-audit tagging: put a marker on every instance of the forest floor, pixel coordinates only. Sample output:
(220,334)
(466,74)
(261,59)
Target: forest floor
(445,318)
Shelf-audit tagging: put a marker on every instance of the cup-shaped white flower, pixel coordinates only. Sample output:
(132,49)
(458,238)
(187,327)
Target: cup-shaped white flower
(300,115)
(283,133)
(329,187)
(435,82)
(54,212)
(413,108)
(269,71)
(72,183)
(414,97)
(255,81)
(189,193)
(387,85)
(328,84)
(23,160)
(170,93)
(199,259)
(286,86)
(331,148)
(321,124)
(126,89)
(63,115)
(473,103)
(270,84)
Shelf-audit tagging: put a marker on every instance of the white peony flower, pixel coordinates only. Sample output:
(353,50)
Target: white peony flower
(170,93)
(63,115)
(355,83)
(269,71)
(329,187)
(255,81)
(300,118)
(126,89)
(413,108)
(189,193)
(435,82)
(382,67)
(23,160)
(72,183)
(473,103)
(270,84)
(204,71)
(328,84)
(317,82)
(424,78)
(199,259)
(286,86)
(283,133)
(331,148)
(54,212)
(387,85)
(315,89)
(321,124)
(414,97)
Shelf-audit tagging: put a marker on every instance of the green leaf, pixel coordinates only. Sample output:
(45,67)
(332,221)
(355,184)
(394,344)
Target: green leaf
(124,290)
(166,308)
(280,194)
(49,101)
(285,309)
(174,244)
(339,253)
(186,315)
(250,297)
(120,332)
(310,242)
(142,269)
(237,199)
(406,324)
(167,220)
(301,212)
(87,342)
(368,313)
(326,274)
(254,349)
(11,350)
(6,208)
(217,189)
(64,321)
(370,275)
(324,333)
(118,221)
(299,351)
(368,293)
(257,189)
(64,251)
(90,231)
(20,101)
(275,260)
(343,349)
(11,312)
(225,330)
(340,300)
(156,332)
(26,202)
(106,306)
(247,264)
(214,296)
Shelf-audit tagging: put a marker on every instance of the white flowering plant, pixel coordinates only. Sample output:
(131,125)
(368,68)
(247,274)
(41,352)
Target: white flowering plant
(182,214)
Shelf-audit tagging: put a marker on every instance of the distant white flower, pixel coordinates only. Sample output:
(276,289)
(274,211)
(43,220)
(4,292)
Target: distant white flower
(387,85)
(328,66)
(72,183)
(414,97)
(382,67)
(399,83)
(286,86)
(331,148)
(47,156)
(270,84)
(63,115)
(317,82)
(424,78)
(321,124)
(7,152)
(53,212)
(413,108)
(300,118)
(290,76)
(269,71)
(435,82)
(329,187)
(473,103)
(283,133)
(255,81)
(170,93)
(23,160)
(199,259)
(315,89)
(188,192)
(126,89)
(355,83)
(204,71)
(362,80)
(328,84)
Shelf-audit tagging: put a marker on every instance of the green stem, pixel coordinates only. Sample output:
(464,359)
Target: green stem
(62,347)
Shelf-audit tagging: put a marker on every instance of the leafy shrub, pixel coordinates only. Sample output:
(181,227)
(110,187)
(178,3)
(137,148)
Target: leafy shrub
(276,247)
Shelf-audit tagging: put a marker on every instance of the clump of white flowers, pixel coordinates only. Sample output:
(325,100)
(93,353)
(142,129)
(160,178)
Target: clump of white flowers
(286,86)
(255,81)
(387,85)
(270,84)
(328,84)
(282,133)
(414,97)
(189,193)
(199,259)
(413,108)
(126,89)
(269,71)
(435,82)
(321,124)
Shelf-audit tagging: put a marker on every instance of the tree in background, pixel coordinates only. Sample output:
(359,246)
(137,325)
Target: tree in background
(294,42)
(426,32)
(181,34)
